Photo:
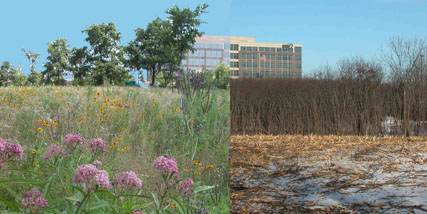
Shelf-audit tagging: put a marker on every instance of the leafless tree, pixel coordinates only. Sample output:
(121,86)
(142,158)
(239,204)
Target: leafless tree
(405,59)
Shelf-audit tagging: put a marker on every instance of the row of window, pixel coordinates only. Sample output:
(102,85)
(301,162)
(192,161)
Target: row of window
(268,56)
(268,49)
(284,74)
(212,46)
(264,65)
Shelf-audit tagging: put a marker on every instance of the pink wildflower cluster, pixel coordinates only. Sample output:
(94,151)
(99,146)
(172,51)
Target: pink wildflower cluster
(72,140)
(34,200)
(138,212)
(97,144)
(166,165)
(9,150)
(87,173)
(185,187)
(97,163)
(53,151)
(127,180)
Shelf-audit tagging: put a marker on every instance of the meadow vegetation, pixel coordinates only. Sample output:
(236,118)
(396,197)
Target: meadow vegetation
(113,150)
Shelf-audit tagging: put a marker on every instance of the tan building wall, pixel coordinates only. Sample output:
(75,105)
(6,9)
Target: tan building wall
(246,57)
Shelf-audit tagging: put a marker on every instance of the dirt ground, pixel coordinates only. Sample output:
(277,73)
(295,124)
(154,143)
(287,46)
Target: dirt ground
(328,174)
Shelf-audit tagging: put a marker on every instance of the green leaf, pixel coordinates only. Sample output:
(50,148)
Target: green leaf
(23,181)
(203,188)
(9,190)
(139,196)
(156,201)
(49,183)
(179,204)
(10,204)
(78,196)
(99,205)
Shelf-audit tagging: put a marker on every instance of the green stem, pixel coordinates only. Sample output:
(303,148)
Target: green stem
(81,203)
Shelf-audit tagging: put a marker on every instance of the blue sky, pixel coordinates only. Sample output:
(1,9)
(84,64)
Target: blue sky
(328,29)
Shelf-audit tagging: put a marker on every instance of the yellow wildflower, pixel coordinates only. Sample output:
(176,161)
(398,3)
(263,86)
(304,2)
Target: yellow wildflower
(160,116)
(40,130)
(55,122)
(210,166)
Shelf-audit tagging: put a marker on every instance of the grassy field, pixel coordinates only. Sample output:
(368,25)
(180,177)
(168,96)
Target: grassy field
(138,125)
(328,174)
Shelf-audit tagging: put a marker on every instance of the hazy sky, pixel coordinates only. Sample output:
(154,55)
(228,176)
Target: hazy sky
(328,29)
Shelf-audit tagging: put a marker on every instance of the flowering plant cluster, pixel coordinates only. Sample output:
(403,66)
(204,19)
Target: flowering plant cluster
(34,201)
(9,150)
(90,176)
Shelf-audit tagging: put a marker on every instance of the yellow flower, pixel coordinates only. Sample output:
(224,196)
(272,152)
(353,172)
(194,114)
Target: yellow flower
(188,170)
(197,173)
(98,93)
(160,116)
(47,124)
(201,168)
(40,130)
(33,152)
(173,205)
(210,166)
(119,139)
(153,100)
(55,122)
(176,110)
(154,106)
(42,121)
(196,162)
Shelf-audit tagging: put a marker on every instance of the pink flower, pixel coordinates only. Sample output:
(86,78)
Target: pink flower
(53,151)
(165,164)
(72,140)
(102,179)
(34,200)
(127,180)
(97,144)
(97,163)
(2,145)
(8,150)
(185,187)
(87,173)
(138,212)
(15,149)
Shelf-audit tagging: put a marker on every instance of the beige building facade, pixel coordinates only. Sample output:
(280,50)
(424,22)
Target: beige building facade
(246,57)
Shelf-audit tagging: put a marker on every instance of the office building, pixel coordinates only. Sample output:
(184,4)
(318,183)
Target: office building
(246,58)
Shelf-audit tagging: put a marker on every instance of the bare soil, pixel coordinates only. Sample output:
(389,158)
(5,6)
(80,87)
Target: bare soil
(328,174)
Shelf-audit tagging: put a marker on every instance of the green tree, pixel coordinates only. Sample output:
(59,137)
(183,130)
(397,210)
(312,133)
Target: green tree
(58,62)
(34,78)
(151,48)
(17,78)
(184,25)
(5,71)
(106,57)
(222,75)
(79,66)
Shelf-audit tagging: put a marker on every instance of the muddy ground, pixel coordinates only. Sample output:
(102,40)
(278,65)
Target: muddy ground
(328,174)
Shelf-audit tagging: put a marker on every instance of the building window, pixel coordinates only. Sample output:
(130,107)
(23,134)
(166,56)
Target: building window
(234,64)
(298,49)
(299,65)
(289,57)
(234,56)
(279,49)
(298,57)
(235,73)
(234,47)
(261,49)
